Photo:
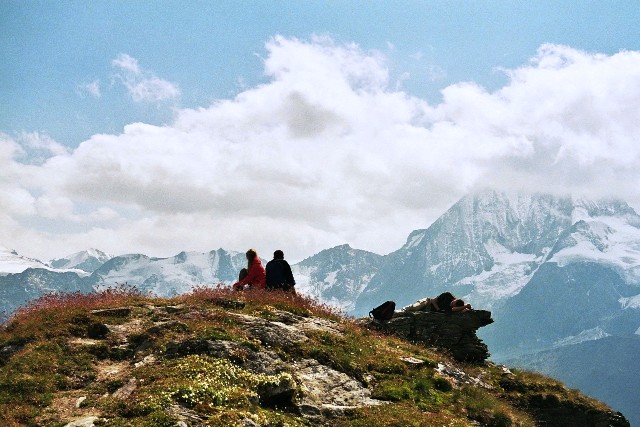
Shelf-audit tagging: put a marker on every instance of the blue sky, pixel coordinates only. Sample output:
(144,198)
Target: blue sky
(211,50)
(126,95)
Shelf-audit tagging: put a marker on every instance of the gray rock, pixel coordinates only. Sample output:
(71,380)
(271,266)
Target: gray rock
(272,333)
(227,303)
(7,351)
(455,332)
(125,391)
(82,422)
(172,309)
(112,312)
(326,392)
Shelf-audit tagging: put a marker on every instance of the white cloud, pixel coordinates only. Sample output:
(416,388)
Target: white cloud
(127,63)
(328,151)
(92,88)
(143,85)
(36,147)
(15,199)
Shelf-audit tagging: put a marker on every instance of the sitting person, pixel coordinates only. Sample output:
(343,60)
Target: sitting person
(445,302)
(255,277)
(279,275)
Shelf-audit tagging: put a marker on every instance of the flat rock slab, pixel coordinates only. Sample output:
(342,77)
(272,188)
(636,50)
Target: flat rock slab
(83,422)
(113,312)
(329,392)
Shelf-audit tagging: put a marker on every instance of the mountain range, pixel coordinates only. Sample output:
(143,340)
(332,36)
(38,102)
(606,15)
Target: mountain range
(556,271)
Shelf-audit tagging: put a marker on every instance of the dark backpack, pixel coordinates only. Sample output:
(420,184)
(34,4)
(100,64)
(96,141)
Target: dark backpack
(384,311)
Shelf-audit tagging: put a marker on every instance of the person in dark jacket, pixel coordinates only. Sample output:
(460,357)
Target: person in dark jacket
(279,275)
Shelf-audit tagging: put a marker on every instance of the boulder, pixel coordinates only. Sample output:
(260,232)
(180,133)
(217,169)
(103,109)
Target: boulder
(454,332)
(327,393)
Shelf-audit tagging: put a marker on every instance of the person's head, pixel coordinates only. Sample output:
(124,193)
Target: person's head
(251,255)
(457,303)
(278,254)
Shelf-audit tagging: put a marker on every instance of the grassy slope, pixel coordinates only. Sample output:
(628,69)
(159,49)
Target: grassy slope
(49,361)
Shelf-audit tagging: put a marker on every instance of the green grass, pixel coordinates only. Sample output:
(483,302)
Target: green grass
(56,358)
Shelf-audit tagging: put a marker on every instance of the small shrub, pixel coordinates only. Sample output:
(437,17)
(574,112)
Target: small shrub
(393,392)
(500,419)
(215,334)
(442,384)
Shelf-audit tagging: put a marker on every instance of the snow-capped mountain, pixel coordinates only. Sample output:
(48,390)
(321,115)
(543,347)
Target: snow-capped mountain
(159,276)
(574,260)
(487,247)
(588,286)
(88,261)
(606,233)
(564,305)
(11,262)
(337,275)
(170,276)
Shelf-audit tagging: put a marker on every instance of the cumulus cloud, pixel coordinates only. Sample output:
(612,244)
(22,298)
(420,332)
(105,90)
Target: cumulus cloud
(15,198)
(142,85)
(36,147)
(329,151)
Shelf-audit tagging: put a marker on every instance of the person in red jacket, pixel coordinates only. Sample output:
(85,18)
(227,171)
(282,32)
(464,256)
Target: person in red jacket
(256,277)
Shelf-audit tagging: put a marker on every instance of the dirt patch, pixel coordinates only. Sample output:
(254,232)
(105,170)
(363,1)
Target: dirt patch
(66,406)
(110,370)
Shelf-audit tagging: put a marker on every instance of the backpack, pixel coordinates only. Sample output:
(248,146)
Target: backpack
(384,311)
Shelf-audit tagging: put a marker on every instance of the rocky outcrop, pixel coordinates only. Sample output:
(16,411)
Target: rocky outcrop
(316,391)
(552,410)
(455,333)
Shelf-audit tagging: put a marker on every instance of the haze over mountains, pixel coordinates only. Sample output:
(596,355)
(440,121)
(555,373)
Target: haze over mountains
(556,272)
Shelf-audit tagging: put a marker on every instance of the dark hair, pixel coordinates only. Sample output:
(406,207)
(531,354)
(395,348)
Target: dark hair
(278,254)
(251,255)
(459,303)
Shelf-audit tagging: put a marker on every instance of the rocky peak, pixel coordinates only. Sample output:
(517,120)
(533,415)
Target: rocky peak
(88,261)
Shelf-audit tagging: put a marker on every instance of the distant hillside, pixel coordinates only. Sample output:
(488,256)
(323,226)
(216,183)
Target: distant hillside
(219,358)
(561,302)
(21,288)
(594,368)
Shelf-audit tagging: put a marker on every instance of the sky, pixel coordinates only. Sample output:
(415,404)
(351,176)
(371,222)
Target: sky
(157,127)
